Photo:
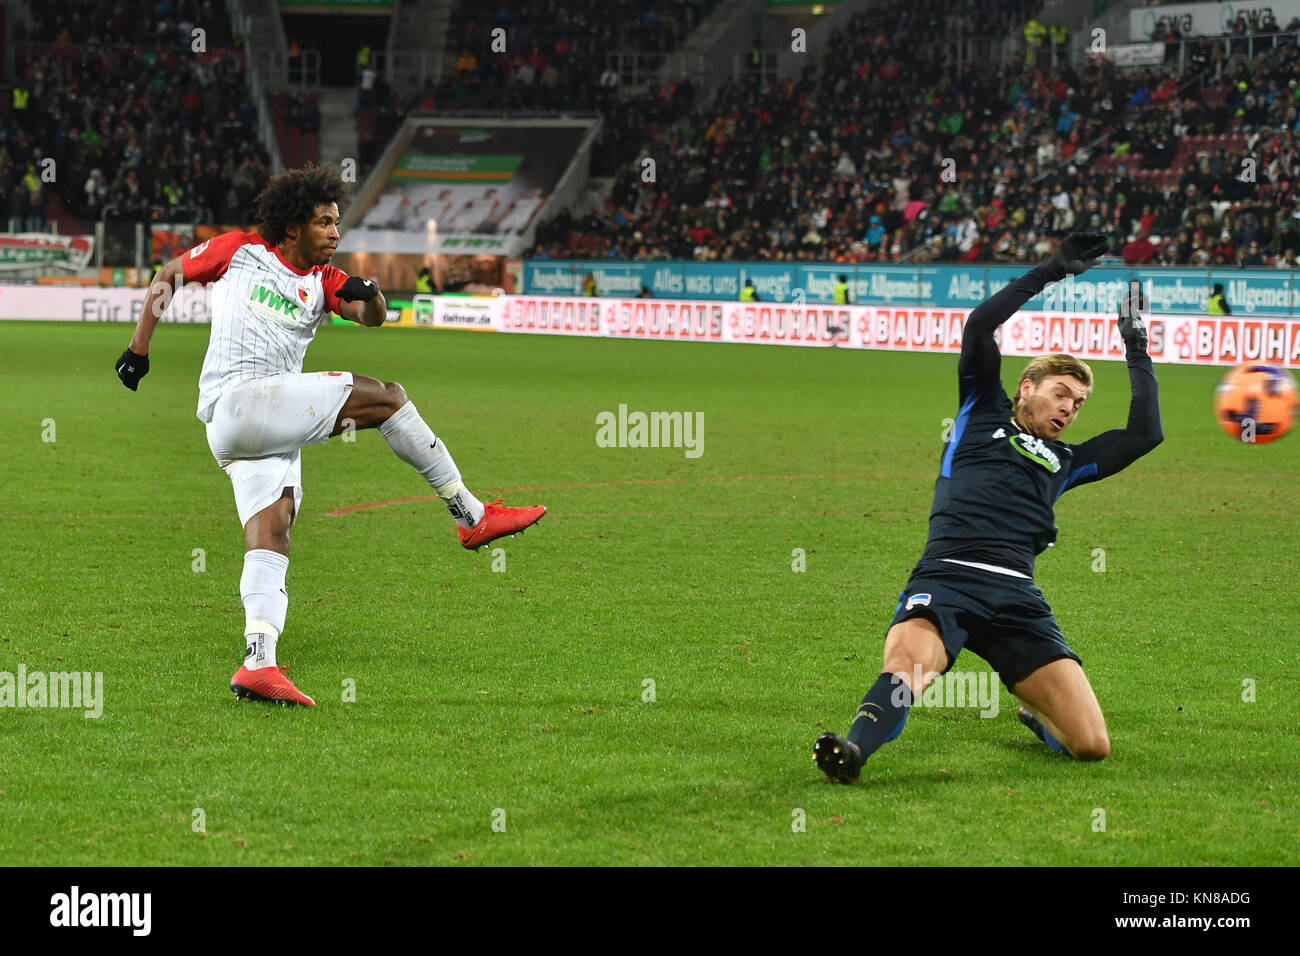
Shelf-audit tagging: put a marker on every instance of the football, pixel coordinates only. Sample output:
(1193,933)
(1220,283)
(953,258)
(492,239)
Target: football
(1256,403)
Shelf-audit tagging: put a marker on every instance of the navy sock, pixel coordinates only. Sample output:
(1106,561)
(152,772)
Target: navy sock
(1053,742)
(1045,735)
(881,715)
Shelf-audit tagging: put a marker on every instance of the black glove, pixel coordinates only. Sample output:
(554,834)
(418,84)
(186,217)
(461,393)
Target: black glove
(1132,328)
(357,288)
(1078,252)
(131,368)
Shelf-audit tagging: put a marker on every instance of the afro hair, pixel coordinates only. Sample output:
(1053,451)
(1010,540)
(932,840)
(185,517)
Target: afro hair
(291,198)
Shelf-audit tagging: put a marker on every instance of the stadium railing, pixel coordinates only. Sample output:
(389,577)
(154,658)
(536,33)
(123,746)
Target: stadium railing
(1178,52)
(406,69)
(636,70)
(304,69)
(122,244)
(188,213)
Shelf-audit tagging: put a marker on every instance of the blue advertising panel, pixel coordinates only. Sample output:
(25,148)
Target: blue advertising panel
(1176,290)
(774,281)
(1254,293)
(869,285)
(1264,292)
(959,286)
(1098,290)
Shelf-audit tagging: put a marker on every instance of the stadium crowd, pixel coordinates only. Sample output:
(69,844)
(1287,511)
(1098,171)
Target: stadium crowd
(158,24)
(557,51)
(139,126)
(883,152)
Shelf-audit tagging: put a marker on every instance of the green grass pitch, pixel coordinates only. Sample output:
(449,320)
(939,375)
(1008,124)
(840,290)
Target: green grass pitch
(480,691)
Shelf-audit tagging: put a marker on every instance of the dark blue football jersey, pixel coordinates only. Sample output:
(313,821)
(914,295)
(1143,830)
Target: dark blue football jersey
(998,484)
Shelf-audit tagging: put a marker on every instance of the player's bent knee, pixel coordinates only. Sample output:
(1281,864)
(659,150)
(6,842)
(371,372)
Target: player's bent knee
(395,395)
(904,662)
(1096,747)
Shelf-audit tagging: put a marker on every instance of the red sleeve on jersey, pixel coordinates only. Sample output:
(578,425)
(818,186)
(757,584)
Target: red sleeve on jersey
(331,280)
(208,261)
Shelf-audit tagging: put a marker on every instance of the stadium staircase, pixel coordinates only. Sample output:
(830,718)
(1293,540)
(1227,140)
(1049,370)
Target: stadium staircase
(1079,14)
(257,23)
(339,137)
(296,147)
(416,42)
(592,201)
(707,54)
(1076,14)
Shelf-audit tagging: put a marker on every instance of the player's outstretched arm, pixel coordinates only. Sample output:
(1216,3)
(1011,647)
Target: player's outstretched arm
(133,364)
(1144,431)
(980,358)
(361,301)
(1115,450)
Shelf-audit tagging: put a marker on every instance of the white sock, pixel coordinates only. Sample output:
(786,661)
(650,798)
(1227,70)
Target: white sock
(415,443)
(259,650)
(266,602)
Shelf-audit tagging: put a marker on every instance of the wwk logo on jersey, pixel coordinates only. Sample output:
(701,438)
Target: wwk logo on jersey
(1035,450)
(270,305)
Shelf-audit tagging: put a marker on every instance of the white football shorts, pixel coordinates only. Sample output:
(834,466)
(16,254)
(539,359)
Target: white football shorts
(259,428)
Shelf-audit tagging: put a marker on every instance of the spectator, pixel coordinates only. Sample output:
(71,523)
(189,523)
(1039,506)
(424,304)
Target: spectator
(1218,302)
(365,89)
(1139,251)
(841,291)
(33,206)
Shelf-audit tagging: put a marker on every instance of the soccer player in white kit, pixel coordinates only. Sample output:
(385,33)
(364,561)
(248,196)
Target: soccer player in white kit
(268,295)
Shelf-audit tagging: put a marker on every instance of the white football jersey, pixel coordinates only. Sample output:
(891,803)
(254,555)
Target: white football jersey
(265,312)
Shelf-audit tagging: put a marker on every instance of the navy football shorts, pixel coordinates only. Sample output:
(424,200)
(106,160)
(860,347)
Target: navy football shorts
(1003,619)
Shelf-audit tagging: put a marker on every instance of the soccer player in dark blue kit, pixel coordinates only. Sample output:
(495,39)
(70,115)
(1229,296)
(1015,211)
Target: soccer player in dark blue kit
(1002,472)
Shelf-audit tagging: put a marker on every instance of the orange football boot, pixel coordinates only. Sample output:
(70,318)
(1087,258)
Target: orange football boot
(497,522)
(268,684)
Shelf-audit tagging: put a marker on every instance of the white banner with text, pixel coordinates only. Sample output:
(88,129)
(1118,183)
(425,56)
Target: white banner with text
(1214,340)
(1210,340)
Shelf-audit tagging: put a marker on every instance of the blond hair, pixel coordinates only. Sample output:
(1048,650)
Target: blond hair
(1045,366)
